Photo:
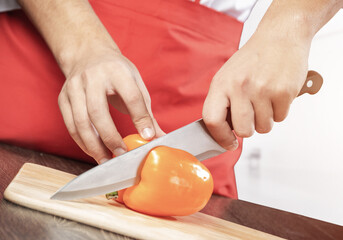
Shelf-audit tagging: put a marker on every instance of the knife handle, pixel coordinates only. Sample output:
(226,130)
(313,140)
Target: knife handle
(312,85)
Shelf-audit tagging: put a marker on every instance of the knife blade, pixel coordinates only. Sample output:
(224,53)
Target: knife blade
(122,171)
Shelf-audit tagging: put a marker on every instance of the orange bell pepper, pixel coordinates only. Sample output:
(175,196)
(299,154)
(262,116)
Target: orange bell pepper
(173,182)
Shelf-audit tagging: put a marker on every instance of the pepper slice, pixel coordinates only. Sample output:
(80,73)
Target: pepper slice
(173,182)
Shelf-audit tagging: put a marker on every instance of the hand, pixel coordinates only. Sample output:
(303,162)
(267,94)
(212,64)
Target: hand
(104,76)
(96,74)
(258,83)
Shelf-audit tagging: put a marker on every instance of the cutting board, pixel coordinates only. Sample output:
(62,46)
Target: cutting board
(34,184)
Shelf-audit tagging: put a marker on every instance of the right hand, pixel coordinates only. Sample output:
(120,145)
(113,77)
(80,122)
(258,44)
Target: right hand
(104,76)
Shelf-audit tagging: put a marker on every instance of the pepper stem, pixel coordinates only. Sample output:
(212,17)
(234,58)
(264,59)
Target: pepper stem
(112,195)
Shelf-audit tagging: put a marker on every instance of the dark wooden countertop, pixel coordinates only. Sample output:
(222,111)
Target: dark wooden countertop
(17,222)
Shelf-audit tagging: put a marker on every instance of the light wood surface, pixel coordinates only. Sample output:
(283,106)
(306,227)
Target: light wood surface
(18,222)
(34,184)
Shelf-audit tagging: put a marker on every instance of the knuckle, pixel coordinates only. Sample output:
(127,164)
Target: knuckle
(240,83)
(93,111)
(81,123)
(263,90)
(71,85)
(142,119)
(120,69)
(95,152)
(87,74)
(134,98)
(211,121)
(285,92)
(110,140)
(73,133)
(95,149)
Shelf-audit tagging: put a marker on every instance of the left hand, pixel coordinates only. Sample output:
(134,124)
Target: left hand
(258,83)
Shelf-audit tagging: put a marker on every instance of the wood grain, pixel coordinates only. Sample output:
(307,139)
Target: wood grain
(13,157)
(17,222)
(20,223)
(34,185)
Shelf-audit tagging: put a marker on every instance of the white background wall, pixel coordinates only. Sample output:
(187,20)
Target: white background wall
(298,167)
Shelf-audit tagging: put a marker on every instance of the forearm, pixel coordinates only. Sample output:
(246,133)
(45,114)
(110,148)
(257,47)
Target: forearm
(68,27)
(299,20)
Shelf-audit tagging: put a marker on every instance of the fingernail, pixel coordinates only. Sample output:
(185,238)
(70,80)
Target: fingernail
(118,151)
(103,160)
(233,146)
(147,133)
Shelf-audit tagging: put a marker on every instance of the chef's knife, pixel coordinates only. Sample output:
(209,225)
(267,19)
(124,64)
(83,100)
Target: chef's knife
(122,171)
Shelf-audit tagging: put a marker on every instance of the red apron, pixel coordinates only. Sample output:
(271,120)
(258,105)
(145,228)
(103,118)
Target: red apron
(176,45)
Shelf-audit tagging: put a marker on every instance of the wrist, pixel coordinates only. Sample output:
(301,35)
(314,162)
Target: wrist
(294,27)
(297,20)
(71,29)
(79,52)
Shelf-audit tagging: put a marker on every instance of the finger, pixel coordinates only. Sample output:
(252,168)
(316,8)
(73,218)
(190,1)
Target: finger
(159,131)
(84,127)
(242,115)
(214,115)
(65,108)
(98,112)
(136,105)
(263,115)
(281,104)
(118,103)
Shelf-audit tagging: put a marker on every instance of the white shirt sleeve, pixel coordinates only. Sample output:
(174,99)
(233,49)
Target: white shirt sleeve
(239,9)
(7,5)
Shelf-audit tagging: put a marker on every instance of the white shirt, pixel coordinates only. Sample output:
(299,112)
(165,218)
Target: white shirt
(239,9)
(7,5)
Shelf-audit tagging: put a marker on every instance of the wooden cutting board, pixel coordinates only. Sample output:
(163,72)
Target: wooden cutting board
(34,184)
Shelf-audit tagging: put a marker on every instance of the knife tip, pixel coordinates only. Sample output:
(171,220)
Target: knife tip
(54,197)
(61,196)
